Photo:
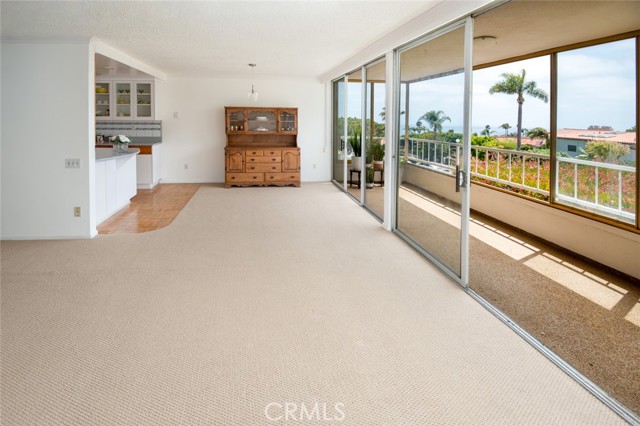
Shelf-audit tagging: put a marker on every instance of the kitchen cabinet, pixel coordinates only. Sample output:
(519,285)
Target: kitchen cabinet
(262,147)
(148,165)
(124,100)
(148,160)
(115,182)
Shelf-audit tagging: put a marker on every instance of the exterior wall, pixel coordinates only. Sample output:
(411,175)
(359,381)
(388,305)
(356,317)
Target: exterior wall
(603,243)
(196,138)
(47,116)
(563,146)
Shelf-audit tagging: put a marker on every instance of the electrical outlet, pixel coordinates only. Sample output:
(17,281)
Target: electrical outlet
(76,211)
(72,163)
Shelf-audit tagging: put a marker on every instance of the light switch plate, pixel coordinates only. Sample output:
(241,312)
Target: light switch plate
(72,163)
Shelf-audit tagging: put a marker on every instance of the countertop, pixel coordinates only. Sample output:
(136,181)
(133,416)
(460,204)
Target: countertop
(108,154)
(134,144)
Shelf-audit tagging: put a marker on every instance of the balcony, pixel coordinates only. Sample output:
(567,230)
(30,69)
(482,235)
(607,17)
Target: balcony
(601,188)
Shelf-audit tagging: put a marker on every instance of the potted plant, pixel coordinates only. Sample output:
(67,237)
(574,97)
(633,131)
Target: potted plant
(377,154)
(370,174)
(401,162)
(120,144)
(355,141)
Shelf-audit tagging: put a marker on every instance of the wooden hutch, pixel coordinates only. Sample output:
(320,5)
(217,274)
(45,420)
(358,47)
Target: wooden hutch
(262,147)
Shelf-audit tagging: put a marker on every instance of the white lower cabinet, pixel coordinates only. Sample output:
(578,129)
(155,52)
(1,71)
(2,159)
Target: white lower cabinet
(149,168)
(115,183)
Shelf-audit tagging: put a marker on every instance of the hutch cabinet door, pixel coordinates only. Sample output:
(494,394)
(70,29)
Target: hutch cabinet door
(290,160)
(235,160)
(236,118)
(262,120)
(288,121)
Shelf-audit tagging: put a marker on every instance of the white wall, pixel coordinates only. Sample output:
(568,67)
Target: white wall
(197,138)
(46,117)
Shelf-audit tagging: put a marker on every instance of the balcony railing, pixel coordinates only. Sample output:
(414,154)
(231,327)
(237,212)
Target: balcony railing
(600,187)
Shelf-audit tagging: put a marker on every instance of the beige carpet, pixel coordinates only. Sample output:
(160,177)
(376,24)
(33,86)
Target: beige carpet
(257,298)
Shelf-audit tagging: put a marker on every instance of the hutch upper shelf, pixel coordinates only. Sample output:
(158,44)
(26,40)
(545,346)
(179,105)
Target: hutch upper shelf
(245,120)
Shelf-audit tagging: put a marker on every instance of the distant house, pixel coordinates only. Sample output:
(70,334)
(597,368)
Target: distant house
(537,142)
(572,141)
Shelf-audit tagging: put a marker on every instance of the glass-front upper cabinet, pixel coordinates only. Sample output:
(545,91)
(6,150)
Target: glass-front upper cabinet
(144,100)
(103,99)
(261,121)
(123,100)
(288,121)
(235,120)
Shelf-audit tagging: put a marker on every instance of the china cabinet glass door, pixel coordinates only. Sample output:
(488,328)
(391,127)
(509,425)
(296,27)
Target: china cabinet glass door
(123,100)
(235,120)
(143,100)
(261,121)
(287,120)
(103,93)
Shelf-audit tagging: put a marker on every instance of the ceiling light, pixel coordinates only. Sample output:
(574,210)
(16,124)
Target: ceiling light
(485,41)
(253,95)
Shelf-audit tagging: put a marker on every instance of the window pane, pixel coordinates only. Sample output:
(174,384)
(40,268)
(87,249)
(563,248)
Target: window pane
(596,146)
(498,158)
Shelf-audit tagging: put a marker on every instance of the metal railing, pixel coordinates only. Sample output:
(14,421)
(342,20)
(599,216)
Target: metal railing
(434,153)
(595,186)
(591,185)
(520,169)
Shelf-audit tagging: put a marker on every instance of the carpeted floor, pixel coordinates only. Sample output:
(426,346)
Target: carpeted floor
(255,303)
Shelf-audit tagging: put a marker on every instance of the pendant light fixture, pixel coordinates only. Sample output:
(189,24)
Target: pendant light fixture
(253,95)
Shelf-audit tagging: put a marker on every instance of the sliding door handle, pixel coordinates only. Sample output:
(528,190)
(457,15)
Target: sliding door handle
(460,178)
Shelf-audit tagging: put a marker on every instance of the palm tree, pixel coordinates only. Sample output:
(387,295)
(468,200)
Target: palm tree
(506,127)
(540,133)
(487,131)
(515,84)
(383,113)
(435,120)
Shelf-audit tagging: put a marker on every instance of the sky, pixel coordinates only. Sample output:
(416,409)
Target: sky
(596,86)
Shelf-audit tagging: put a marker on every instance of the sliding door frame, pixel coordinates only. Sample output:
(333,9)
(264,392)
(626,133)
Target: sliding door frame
(467,24)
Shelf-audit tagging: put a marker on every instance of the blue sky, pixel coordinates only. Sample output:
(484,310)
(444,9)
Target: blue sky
(596,86)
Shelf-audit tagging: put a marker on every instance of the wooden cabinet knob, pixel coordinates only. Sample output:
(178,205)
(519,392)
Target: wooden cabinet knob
(233,177)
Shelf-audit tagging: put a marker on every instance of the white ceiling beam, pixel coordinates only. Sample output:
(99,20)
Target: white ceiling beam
(115,54)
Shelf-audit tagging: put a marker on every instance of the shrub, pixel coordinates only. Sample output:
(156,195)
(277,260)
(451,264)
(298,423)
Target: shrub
(605,151)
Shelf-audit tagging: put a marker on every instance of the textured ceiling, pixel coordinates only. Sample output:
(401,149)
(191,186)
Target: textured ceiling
(218,38)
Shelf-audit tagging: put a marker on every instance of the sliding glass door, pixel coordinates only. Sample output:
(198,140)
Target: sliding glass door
(356,164)
(339,150)
(374,131)
(432,193)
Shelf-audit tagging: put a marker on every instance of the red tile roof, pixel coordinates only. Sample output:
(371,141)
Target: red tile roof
(627,138)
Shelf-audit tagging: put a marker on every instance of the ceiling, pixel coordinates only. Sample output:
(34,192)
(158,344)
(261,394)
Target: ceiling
(522,27)
(217,38)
